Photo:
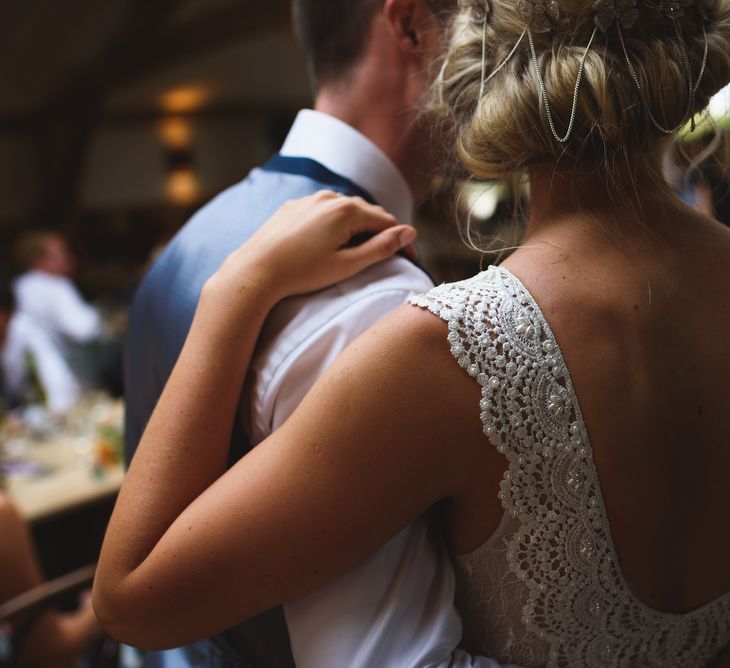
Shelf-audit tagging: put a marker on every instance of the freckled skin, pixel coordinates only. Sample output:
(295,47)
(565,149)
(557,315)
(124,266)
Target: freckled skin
(643,329)
(417,432)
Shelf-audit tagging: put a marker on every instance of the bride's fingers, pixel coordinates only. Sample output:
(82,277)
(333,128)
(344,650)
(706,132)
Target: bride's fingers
(324,194)
(350,215)
(380,247)
(376,220)
(361,217)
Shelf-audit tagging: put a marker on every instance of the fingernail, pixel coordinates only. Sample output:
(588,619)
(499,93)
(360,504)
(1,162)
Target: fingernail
(406,236)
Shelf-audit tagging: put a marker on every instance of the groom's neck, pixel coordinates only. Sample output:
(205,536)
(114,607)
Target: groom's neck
(378,122)
(384,118)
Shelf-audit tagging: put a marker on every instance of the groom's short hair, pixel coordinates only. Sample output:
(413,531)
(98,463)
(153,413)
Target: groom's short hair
(333,33)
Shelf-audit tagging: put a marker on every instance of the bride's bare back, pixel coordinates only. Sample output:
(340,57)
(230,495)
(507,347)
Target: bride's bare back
(646,341)
(642,322)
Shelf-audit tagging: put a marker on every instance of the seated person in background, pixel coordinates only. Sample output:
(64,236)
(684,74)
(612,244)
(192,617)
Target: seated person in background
(46,292)
(25,349)
(56,639)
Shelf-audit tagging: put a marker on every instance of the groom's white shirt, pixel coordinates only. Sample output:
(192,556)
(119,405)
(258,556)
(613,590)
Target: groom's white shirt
(396,609)
(304,335)
(344,151)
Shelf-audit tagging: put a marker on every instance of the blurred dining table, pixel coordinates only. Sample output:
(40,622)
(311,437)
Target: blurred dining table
(52,467)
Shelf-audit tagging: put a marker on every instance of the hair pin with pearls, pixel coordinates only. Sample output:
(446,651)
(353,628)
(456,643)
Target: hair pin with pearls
(542,16)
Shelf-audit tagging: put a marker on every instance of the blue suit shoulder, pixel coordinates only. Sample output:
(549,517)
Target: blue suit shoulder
(164,304)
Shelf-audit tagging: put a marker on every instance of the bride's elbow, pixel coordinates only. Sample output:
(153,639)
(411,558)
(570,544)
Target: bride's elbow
(112,609)
(149,614)
(125,614)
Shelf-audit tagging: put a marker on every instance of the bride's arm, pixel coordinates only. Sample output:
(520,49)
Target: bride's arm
(192,550)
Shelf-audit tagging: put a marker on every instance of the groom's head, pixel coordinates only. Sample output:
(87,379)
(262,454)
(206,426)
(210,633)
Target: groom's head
(335,35)
(371,62)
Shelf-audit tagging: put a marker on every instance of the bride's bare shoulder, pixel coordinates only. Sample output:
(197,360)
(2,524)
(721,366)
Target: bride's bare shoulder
(420,324)
(402,375)
(408,353)
(409,333)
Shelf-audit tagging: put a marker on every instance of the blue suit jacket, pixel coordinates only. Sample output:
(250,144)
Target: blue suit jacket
(160,318)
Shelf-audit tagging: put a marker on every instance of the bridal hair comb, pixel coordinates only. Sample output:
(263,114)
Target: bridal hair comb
(623,15)
(543,16)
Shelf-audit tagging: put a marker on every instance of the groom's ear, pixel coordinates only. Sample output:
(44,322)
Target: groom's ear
(412,24)
(406,21)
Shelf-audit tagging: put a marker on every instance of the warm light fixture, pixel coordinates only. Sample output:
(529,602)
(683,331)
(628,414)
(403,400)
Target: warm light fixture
(185,99)
(183,187)
(176,133)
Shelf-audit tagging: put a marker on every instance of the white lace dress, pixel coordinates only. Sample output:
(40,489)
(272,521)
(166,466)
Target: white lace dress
(546,589)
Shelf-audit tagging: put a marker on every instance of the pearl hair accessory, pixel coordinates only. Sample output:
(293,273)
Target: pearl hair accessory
(541,16)
(673,11)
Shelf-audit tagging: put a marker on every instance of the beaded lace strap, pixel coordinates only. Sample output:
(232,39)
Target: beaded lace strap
(578,601)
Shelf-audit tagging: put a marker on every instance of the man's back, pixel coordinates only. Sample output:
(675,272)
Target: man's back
(165,303)
(396,609)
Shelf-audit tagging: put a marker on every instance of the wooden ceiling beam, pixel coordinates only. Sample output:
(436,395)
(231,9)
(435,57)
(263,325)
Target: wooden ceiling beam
(72,113)
(144,23)
(146,40)
(212,31)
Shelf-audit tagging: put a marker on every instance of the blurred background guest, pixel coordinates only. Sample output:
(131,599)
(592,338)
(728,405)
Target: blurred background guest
(31,363)
(46,292)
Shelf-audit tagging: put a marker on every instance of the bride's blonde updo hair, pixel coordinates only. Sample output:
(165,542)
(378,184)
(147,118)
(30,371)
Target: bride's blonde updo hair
(506,131)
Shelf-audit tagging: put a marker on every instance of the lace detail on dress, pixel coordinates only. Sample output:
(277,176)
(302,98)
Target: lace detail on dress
(491,598)
(575,607)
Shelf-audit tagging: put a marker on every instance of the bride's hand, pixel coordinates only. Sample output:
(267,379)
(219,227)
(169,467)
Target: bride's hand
(304,246)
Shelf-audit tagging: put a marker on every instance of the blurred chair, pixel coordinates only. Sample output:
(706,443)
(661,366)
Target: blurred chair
(19,614)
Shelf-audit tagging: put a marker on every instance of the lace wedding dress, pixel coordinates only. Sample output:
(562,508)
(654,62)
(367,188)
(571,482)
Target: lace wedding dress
(546,589)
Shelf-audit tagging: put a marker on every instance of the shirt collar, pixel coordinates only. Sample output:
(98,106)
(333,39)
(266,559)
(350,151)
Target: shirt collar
(345,151)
